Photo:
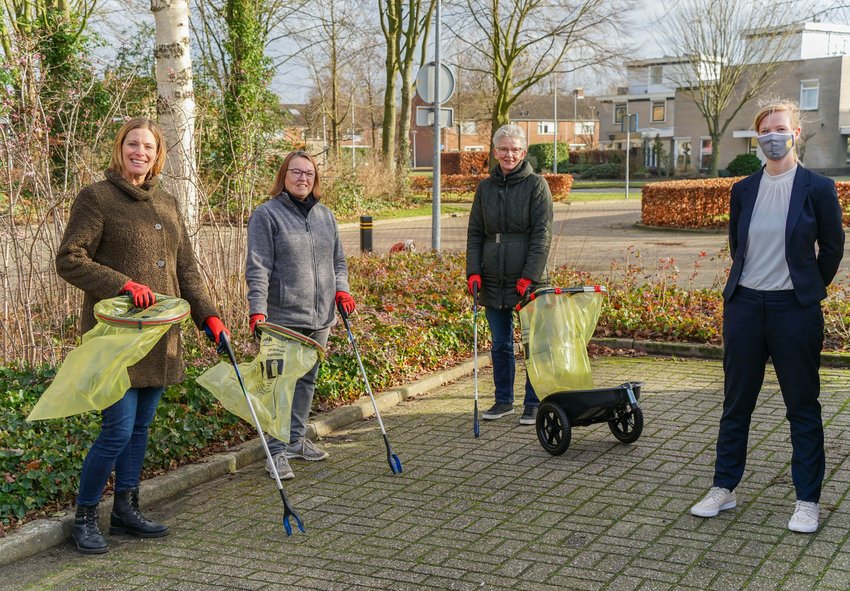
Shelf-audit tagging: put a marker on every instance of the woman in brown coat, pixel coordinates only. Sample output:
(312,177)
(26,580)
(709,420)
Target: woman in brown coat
(126,235)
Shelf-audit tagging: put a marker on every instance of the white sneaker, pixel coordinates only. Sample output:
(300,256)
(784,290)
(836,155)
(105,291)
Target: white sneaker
(717,500)
(805,517)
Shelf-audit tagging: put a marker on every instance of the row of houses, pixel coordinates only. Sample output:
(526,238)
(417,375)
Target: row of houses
(814,70)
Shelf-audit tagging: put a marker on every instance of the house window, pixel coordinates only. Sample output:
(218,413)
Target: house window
(585,127)
(848,148)
(682,149)
(752,146)
(468,127)
(705,149)
(659,109)
(545,127)
(655,74)
(619,113)
(473,149)
(809,95)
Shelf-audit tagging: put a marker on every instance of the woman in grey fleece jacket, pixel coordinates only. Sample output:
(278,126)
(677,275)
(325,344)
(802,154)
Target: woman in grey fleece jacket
(296,273)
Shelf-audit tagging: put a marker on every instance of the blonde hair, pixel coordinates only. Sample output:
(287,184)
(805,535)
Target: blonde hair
(116,164)
(280,180)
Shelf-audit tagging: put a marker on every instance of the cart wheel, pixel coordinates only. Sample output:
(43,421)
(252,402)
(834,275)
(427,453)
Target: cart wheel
(627,424)
(553,428)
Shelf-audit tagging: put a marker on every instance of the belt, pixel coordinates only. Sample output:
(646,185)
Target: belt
(510,237)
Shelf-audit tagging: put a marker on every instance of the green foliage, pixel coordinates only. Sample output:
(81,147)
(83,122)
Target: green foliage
(607,170)
(541,156)
(744,165)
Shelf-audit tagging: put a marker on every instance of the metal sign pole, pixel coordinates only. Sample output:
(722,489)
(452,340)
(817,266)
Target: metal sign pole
(435,211)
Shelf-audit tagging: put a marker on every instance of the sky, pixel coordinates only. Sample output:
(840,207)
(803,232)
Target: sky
(292,82)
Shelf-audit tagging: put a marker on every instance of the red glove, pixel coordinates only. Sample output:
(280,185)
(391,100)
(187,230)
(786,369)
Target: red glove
(141,295)
(254,321)
(473,280)
(344,299)
(522,286)
(213,327)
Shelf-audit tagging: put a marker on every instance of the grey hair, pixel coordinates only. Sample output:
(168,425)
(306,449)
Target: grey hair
(510,131)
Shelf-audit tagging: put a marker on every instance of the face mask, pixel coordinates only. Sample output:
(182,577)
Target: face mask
(776,145)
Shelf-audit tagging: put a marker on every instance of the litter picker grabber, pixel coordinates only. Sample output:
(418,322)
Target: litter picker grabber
(287,509)
(392,459)
(475,426)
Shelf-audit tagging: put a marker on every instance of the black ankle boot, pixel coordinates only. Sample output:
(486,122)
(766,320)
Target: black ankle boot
(86,534)
(126,518)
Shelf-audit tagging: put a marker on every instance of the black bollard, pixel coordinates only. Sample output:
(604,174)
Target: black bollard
(365,233)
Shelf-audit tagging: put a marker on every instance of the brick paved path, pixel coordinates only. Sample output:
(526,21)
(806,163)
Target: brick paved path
(498,512)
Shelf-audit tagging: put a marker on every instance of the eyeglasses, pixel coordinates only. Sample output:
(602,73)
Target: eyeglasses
(298,173)
(505,151)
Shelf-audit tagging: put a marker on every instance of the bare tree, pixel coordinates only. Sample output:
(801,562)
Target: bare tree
(176,102)
(727,63)
(405,26)
(524,41)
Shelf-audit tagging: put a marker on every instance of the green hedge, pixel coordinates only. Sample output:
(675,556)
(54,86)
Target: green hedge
(541,156)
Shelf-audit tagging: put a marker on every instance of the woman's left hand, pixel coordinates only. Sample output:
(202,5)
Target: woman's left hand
(213,327)
(344,299)
(522,286)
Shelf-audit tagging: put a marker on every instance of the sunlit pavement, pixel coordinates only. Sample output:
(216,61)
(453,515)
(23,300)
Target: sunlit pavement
(498,512)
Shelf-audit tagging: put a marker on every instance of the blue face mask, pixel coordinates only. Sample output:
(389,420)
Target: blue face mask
(776,145)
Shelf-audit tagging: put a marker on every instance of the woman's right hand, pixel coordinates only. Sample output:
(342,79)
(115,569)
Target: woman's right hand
(141,295)
(474,280)
(253,321)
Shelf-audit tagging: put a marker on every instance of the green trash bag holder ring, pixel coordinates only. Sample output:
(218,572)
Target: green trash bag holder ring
(282,332)
(558,291)
(120,311)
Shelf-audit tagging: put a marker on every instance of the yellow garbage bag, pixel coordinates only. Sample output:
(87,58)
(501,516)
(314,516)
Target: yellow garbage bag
(556,326)
(94,375)
(284,357)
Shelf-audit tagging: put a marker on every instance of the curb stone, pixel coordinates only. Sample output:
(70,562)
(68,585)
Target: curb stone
(828,359)
(42,534)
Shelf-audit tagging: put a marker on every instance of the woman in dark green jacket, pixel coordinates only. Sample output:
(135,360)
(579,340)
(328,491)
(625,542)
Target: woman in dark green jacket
(507,245)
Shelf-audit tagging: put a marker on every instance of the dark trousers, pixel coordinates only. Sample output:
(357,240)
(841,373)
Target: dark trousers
(501,323)
(758,325)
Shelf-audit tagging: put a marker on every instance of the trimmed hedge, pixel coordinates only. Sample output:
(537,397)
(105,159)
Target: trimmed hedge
(702,203)
(464,162)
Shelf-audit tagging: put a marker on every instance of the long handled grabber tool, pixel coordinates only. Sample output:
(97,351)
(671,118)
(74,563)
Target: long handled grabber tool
(392,458)
(287,509)
(475,426)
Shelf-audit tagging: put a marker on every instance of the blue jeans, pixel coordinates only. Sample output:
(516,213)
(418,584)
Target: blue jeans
(501,322)
(121,444)
(302,400)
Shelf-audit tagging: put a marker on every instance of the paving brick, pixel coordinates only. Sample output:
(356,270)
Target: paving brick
(498,512)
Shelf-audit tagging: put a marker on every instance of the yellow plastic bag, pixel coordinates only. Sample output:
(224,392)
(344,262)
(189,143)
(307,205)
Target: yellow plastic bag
(556,327)
(94,375)
(284,357)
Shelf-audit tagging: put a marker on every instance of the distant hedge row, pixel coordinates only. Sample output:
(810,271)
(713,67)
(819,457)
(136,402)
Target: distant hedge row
(559,184)
(701,203)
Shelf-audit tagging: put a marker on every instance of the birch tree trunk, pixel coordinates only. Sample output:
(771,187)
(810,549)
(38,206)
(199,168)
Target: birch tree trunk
(175,104)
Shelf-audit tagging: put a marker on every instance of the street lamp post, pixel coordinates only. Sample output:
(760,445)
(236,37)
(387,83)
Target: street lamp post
(413,132)
(555,132)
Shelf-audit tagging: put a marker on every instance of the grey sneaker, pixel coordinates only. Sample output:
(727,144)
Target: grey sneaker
(304,449)
(284,470)
(529,416)
(805,517)
(717,500)
(497,411)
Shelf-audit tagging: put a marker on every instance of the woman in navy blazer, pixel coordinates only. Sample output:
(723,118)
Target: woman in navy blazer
(772,310)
